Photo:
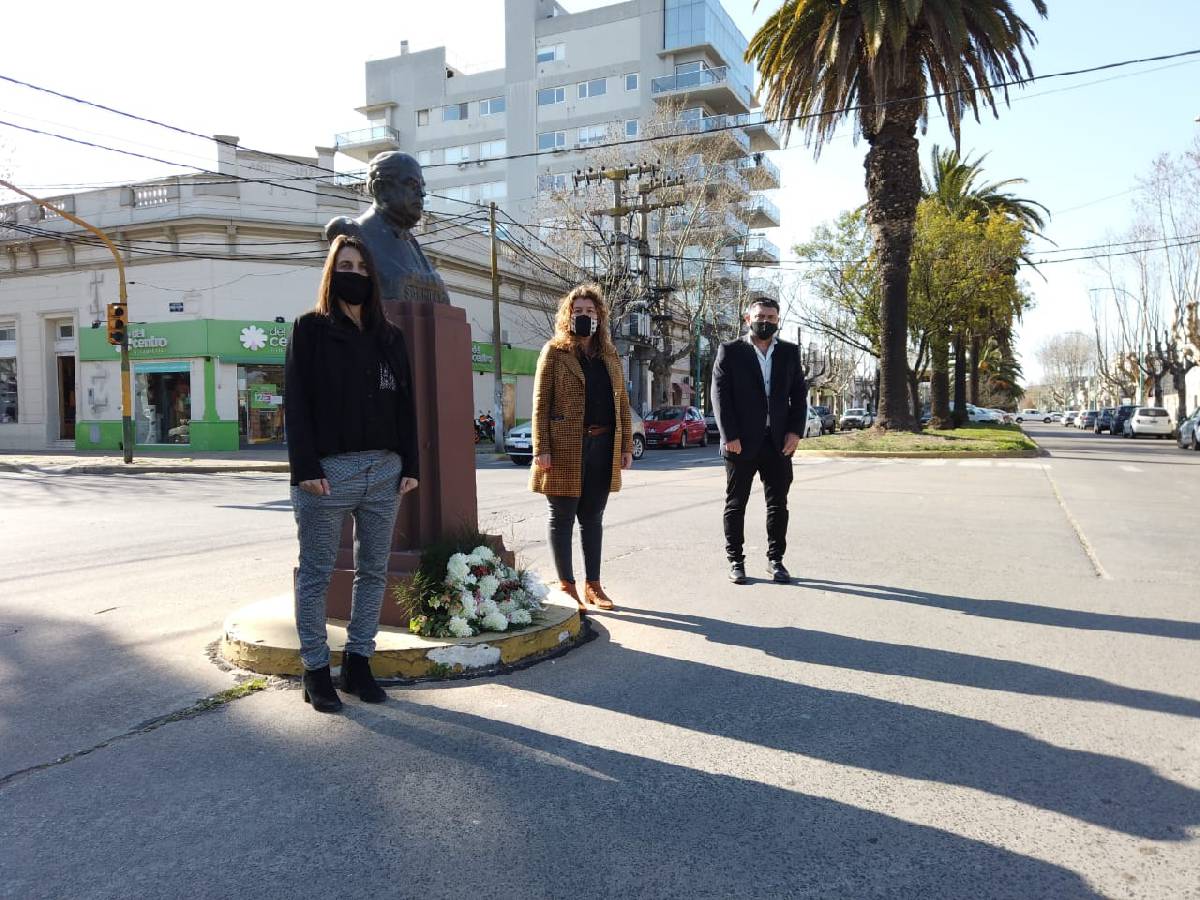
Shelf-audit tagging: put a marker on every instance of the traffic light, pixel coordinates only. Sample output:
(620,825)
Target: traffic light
(116,323)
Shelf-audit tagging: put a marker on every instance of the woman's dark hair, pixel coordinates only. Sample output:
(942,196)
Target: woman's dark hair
(373,318)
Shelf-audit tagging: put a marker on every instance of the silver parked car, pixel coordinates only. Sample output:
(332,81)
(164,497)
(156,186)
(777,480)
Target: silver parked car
(1189,431)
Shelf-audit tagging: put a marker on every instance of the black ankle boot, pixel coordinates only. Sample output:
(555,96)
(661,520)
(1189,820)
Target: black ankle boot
(318,690)
(357,679)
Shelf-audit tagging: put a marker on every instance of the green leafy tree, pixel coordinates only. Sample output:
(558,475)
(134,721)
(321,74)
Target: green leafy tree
(822,61)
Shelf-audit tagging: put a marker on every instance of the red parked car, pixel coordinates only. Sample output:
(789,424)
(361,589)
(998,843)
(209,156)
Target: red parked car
(676,426)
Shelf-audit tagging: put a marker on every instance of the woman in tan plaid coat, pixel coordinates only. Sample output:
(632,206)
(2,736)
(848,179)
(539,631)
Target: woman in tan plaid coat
(582,435)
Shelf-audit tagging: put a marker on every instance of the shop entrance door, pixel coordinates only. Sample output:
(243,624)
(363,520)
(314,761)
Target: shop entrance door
(66,398)
(162,404)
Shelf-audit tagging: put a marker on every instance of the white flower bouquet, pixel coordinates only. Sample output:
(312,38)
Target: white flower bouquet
(470,592)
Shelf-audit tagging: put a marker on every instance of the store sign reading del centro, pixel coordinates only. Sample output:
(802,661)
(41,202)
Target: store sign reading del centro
(231,340)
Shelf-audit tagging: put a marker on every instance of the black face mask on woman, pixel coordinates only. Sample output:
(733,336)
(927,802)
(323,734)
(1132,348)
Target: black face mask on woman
(581,326)
(763,330)
(351,287)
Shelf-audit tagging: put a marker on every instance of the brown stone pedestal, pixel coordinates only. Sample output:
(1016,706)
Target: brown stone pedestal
(439,347)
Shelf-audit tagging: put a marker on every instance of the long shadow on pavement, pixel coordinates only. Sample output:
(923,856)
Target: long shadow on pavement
(824,649)
(1010,611)
(891,738)
(410,800)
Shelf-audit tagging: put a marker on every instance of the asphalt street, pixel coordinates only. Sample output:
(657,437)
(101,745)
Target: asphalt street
(984,683)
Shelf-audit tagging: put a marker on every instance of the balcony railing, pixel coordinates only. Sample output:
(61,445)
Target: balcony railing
(376,134)
(714,125)
(762,207)
(758,248)
(757,121)
(759,171)
(705,78)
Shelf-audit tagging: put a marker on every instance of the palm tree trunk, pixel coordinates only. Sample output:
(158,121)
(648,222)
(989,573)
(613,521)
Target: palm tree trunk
(939,381)
(960,380)
(976,351)
(893,184)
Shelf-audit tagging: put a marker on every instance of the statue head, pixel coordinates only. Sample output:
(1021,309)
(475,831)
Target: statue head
(396,185)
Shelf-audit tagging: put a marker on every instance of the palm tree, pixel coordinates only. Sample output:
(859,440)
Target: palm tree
(822,60)
(955,182)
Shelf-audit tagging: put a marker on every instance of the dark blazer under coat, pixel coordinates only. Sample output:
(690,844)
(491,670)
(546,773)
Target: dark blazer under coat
(740,398)
(318,354)
(559,397)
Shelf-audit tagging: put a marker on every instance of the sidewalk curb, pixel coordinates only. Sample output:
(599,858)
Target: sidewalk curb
(937,454)
(137,469)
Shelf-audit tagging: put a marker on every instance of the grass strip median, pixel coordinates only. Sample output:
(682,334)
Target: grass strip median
(970,440)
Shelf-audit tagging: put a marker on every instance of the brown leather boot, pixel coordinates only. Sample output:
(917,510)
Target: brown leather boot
(595,595)
(568,588)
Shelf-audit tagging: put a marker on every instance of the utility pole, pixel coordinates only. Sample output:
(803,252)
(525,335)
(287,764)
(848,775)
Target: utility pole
(126,393)
(622,208)
(497,367)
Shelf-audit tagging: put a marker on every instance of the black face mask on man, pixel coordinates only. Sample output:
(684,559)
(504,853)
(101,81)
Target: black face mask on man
(351,287)
(582,326)
(764,331)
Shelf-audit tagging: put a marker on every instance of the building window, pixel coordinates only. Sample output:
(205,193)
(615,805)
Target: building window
(8,374)
(597,87)
(552,53)
(631,128)
(551,96)
(592,134)
(422,117)
(492,149)
(455,112)
(493,190)
(552,182)
(631,81)
(425,157)
(462,193)
(491,107)
(458,154)
(552,140)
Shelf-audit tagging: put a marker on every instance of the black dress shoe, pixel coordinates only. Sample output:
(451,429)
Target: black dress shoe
(779,572)
(737,572)
(317,689)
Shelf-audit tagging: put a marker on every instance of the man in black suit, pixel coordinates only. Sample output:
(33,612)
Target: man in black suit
(760,403)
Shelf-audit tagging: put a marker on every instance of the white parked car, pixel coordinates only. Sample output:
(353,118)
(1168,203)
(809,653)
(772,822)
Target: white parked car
(1070,417)
(980,415)
(813,427)
(1149,420)
(1035,415)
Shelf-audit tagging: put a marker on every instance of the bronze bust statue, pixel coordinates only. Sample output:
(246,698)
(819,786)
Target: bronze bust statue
(397,188)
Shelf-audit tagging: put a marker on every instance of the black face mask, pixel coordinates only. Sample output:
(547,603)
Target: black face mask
(763,330)
(581,326)
(351,287)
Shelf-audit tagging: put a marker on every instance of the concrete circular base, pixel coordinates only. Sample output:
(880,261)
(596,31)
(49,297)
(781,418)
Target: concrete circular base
(262,638)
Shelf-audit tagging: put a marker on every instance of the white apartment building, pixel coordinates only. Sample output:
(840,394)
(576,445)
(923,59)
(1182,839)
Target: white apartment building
(217,269)
(571,81)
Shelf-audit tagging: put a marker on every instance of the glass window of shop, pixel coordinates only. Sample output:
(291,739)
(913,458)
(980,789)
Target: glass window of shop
(8,373)
(260,404)
(162,403)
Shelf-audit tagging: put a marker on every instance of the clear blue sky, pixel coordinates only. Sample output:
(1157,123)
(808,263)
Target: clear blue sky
(284,79)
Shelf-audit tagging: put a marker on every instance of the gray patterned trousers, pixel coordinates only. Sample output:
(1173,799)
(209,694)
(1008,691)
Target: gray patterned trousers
(365,485)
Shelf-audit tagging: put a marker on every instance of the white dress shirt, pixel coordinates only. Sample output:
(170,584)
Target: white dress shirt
(764,363)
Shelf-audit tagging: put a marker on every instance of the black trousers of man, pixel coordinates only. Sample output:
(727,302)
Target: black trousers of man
(775,470)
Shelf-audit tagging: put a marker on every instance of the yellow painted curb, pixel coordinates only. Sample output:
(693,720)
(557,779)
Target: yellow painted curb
(262,638)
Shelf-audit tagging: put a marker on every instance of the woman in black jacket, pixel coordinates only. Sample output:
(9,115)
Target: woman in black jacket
(352,448)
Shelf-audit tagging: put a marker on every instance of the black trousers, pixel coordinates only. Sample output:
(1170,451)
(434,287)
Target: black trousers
(587,508)
(775,470)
